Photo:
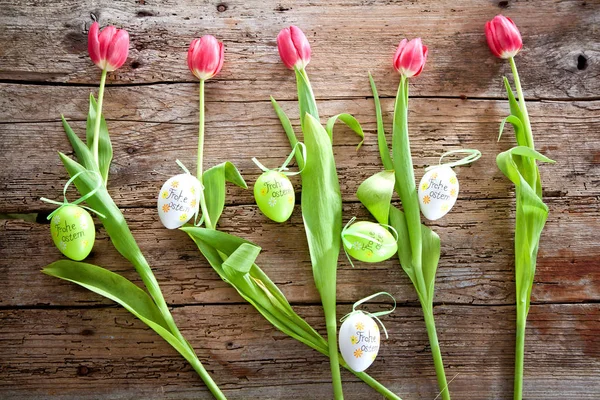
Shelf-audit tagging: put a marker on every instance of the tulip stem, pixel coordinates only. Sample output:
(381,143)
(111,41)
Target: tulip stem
(523,106)
(98,117)
(200,157)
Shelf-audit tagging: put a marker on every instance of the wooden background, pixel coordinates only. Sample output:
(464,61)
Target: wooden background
(59,341)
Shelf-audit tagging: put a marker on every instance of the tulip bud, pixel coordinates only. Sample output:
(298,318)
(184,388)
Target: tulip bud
(503,37)
(108,49)
(205,57)
(294,48)
(410,57)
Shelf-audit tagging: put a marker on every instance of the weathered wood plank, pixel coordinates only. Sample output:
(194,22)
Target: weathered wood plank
(476,265)
(239,131)
(78,354)
(348,39)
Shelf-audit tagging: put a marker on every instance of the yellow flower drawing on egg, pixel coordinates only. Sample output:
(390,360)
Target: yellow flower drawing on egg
(193,203)
(291,200)
(453,180)
(369,254)
(358,353)
(84,243)
(434,175)
(193,190)
(263,191)
(353,339)
(175,184)
(373,356)
(444,207)
(426,200)
(360,326)
(166,208)
(183,217)
(77,214)
(453,192)
(424,186)
(164,194)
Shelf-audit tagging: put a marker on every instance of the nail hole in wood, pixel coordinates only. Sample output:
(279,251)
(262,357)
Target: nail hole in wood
(222,7)
(582,62)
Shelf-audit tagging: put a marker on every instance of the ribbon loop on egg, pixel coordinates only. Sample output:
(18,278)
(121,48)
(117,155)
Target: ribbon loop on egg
(472,156)
(284,169)
(374,315)
(86,196)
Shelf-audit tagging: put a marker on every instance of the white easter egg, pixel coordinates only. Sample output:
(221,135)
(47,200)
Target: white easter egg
(359,341)
(438,192)
(178,200)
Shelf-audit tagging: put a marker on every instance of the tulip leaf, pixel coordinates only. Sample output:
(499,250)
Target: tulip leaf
(241,260)
(83,153)
(512,101)
(214,187)
(122,291)
(306,97)
(105,151)
(349,120)
(289,131)
(384,151)
(375,193)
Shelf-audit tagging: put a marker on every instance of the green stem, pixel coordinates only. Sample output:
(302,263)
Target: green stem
(520,350)
(212,386)
(200,157)
(522,104)
(436,352)
(334,361)
(98,117)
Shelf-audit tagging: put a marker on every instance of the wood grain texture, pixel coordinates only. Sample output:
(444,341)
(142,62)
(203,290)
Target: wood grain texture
(348,38)
(59,341)
(75,354)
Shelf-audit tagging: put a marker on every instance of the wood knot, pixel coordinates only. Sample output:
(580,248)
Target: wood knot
(503,4)
(87,332)
(82,370)
(582,62)
(135,64)
(222,7)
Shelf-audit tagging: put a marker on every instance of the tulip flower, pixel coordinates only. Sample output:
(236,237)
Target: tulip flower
(294,48)
(205,57)
(503,37)
(108,49)
(410,57)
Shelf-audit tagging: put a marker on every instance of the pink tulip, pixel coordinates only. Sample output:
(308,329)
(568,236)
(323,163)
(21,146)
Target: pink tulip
(108,49)
(503,37)
(205,57)
(410,57)
(294,48)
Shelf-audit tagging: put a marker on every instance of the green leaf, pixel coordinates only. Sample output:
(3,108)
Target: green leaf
(403,168)
(241,260)
(105,152)
(254,286)
(214,187)
(83,153)
(122,291)
(384,151)
(431,257)
(375,193)
(348,120)
(289,131)
(321,207)
(109,285)
(512,101)
(306,97)
(517,125)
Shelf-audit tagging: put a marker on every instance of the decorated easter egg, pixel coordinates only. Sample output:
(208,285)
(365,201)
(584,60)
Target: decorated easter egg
(359,341)
(438,191)
(178,200)
(73,232)
(369,242)
(274,195)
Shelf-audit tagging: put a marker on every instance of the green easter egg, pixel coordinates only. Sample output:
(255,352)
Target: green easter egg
(369,242)
(274,195)
(73,232)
